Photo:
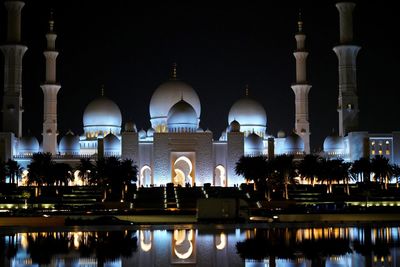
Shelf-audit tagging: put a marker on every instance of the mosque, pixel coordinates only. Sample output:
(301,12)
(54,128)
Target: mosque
(175,149)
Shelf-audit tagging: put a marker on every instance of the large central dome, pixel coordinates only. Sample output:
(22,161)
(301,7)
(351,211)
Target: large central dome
(167,95)
(102,112)
(102,115)
(250,114)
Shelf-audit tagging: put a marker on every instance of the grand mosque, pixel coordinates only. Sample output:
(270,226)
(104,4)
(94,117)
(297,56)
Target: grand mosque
(175,149)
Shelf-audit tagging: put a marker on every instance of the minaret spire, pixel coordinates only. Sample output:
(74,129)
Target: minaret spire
(13,52)
(173,71)
(347,52)
(300,23)
(50,90)
(51,21)
(301,88)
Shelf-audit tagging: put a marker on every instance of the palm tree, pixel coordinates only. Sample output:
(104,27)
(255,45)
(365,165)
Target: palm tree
(284,170)
(344,174)
(396,173)
(13,170)
(308,167)
(40,168)
(361,167)
(128,173)
(112,174)
(332,171)
(85,170)
(254,169)
(62,173)
(3,172)
(382,170)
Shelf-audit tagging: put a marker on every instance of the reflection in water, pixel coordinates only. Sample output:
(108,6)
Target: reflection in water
(183,245)
(145,240)
(222,241)
(330,246)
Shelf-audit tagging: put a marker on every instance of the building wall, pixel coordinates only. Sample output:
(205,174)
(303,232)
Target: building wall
(130,146)
(7,146)
(235,149)
(357,145)
(199,143)
(396,147)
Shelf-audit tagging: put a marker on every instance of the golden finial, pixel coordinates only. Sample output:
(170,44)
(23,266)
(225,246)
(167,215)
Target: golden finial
(102,90)
(173,73)
(247,90)
(300,22)
(51,20)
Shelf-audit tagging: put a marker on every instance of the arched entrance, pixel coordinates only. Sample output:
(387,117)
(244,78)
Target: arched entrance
(220,176)
(145,176)
(183,168)
(183,245)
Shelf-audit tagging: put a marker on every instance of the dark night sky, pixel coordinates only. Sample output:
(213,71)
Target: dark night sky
(129,47)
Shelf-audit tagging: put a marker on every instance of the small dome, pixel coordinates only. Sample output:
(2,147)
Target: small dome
(167,95)
(294,144)
(112,145)
(69,144)
(182,118)
(130,127)
(102,112)
(150,132)
(250,114)
(234,126)
(200,130)
(28,144)
(223,136)
(208,131)
(281,134)
(253,145)
(333,144)
(142,134)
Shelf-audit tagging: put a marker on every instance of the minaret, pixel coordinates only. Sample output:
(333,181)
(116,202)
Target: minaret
(347,52)
(301,88)
(13,52)
(50,89)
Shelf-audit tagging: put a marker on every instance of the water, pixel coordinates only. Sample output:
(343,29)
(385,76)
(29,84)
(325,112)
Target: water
(214,245)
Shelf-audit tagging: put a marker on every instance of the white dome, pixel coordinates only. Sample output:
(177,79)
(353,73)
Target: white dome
(200,130)
(102,112)
(223,136)
(112,145)
(167,95)
(250,114)
(69,144)
(294,144)
(150,132)
(182,118)
(253,145)
(234,126)
(142,134)
(281,134)
(333,144)
(28,144)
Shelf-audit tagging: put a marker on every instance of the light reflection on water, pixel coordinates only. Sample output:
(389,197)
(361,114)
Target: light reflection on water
(329,246)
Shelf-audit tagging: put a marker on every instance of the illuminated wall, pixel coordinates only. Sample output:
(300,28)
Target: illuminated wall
(199,143)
